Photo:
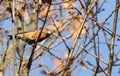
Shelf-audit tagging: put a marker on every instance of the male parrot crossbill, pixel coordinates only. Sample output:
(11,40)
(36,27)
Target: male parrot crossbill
(33,36)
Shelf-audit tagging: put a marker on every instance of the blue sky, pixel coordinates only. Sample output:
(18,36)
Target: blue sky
(80,71)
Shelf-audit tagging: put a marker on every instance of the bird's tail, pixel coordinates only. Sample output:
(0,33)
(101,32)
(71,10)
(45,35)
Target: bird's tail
(11,37)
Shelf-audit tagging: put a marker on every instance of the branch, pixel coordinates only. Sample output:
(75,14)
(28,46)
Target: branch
(110,65)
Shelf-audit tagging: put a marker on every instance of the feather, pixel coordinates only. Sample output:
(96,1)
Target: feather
(32,36)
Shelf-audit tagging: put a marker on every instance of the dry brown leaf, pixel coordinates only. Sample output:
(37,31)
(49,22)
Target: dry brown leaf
(69,5)
(26,12)
(83,32)
(21,0)
(44,12)
(51,27)
(56,26)
(59,63)
(74,29)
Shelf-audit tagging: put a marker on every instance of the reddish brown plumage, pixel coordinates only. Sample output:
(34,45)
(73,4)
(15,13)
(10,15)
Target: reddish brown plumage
(33,36)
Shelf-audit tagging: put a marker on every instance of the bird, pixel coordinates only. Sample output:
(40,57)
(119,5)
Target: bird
(32,37)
